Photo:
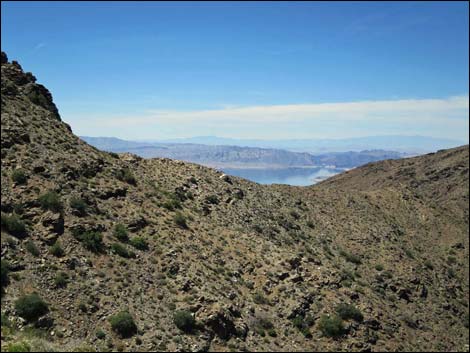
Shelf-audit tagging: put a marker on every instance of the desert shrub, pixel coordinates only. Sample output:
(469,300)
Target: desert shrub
(123,324)
(14,225)
(259,298)
(126,175)
(92,241)
(428,264)
(57,250)
(50,201)
(451,272)
(121,233)
(294,214)
(172,204)
(32,248)
(19,176)
(5,269)
(30,307)
(79,205)
(212,199)
(355,259)
(100,334)
(139,243)
(348,311)
(121,250)
(184,320)
(409,253)
(379,267)
(5,322)
(18,347)
(262,324)
(61,280)
(331,326)
(451,260)
(180,220)
(303,324)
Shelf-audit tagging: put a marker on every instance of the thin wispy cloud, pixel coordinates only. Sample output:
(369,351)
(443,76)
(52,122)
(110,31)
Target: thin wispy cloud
(443,114)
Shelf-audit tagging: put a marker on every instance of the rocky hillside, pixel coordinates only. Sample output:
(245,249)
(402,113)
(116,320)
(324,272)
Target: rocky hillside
(113,252)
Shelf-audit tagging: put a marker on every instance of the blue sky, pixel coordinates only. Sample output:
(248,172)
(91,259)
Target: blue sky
(248,70)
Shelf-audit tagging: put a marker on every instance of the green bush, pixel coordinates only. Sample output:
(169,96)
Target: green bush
(31,307)
(184,321)
(259,298)
(172,204)
(50,201)
(61,280)
(180,220)
(100,334)
(14,225)
(79,205)
(121,250)
(350,257)
(92,241)
(32,248)
(5,269)
(126,175)
(57,250)
(19,176)
(428,264)
(123,324)
(303,324)
(212,199)
(139,243)
(379,267)
(18,347)
(331,326)
(121,233)
(348,311)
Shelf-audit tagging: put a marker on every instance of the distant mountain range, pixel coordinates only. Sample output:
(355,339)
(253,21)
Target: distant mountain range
(408,144)
(224,156)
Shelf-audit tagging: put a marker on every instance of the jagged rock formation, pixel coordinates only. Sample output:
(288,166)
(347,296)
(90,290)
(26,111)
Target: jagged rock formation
(205,261)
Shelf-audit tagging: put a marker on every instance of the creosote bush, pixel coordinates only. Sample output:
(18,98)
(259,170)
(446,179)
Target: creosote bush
(19,176)
(355,259)
(123,324)
(331,326)
(57,250)
(61,280)
(303,324)
(184,321)
(50,201)
(91,240)
(121,233)
(31,307)
(121,250)
(126,175)
(180,220)
(78,205)
(139,243)
(348,311)
(32,248)
(14,225)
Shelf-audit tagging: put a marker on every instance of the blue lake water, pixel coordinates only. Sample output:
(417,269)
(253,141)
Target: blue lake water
(290,176)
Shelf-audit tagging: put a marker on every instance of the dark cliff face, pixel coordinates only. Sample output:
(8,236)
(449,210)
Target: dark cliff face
(368,261)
